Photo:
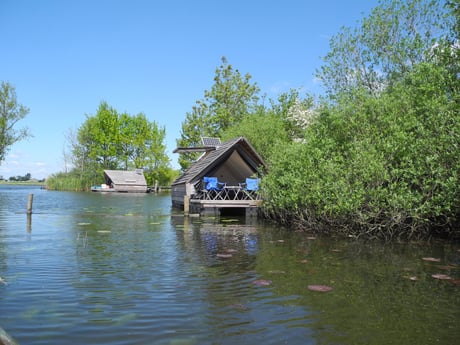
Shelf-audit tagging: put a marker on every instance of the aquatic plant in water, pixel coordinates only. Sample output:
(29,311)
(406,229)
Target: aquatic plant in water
(262,282)
(320,288)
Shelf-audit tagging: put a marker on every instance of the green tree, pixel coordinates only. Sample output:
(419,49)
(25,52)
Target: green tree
(109,140)
(264,130)
(379,164)
(454,7)
(141,142)
(269,128)
(99,136)
(231,97)
(396,36)
(11,112)
(94,148)
(295,111)
(385,166)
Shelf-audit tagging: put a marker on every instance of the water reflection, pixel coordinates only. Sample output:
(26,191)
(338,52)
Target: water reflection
(120,269)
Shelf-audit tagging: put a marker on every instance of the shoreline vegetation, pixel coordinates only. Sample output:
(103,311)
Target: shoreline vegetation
(24,183)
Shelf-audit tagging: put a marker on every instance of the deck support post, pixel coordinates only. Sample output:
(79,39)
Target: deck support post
(186,205)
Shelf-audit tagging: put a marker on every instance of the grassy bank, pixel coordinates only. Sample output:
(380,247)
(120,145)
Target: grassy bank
(23,183)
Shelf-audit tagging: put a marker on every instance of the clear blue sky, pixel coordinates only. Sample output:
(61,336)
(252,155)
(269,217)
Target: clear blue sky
(157,57)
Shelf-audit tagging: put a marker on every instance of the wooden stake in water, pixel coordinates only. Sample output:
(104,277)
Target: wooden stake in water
(6,339)
(29,223)
(29,203)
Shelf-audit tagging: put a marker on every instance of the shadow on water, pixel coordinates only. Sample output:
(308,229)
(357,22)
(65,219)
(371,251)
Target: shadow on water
(128,269)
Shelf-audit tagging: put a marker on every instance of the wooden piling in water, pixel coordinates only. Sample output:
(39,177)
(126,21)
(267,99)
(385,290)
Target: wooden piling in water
(30,203)
(6,339)
(29,227)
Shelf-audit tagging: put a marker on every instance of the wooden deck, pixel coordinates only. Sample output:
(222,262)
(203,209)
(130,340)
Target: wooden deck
(217,207)
(226,203)
(230,197)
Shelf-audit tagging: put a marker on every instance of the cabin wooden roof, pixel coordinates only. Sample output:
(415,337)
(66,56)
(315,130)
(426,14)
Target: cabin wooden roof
(124,177)
(213,158)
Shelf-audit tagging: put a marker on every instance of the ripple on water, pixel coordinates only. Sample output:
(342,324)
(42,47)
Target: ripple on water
(88,274)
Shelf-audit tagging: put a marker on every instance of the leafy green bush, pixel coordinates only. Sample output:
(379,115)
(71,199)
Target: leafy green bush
(383,166)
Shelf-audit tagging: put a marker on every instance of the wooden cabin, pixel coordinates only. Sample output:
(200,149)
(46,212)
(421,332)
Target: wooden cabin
(232,162)
(123,181)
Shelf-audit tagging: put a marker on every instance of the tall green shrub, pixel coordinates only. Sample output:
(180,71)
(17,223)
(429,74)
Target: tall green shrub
(382,166)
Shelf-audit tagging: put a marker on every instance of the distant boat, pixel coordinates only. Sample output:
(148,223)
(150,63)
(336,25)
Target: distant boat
(102,188)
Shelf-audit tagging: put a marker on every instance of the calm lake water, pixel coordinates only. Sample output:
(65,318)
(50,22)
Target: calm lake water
(120,269)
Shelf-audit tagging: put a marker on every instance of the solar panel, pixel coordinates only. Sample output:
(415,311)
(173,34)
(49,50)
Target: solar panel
(210,141)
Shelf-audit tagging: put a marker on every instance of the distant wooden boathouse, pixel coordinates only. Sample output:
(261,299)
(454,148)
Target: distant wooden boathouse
(224,178)
(123,181)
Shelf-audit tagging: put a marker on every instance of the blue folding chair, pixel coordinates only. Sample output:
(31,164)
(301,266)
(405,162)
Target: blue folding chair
(250,188)
(213,188)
